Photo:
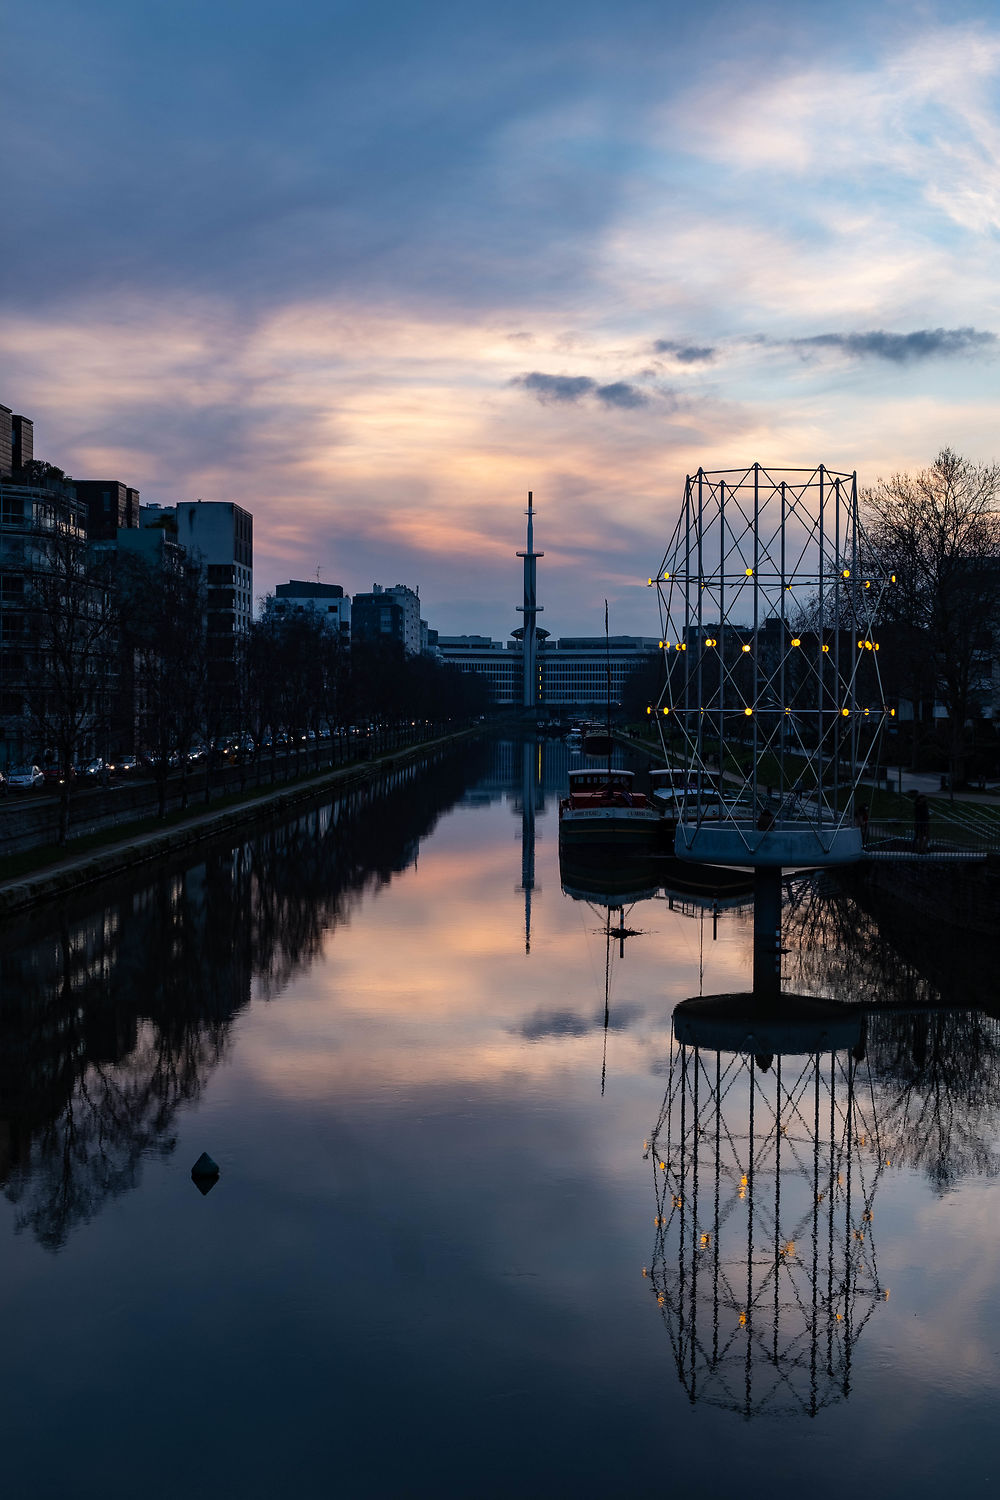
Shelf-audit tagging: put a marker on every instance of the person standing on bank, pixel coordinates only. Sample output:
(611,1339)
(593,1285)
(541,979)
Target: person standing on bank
(921,822)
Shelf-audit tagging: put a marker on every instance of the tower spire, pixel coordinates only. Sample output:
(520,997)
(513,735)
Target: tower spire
(530,609)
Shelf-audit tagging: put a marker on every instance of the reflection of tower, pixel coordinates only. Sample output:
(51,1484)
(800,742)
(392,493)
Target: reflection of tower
(530,609)
(766,1160)
(531,782)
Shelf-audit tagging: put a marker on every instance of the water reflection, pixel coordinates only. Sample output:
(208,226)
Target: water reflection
(767,1157)
(780,1123)
(116,1018)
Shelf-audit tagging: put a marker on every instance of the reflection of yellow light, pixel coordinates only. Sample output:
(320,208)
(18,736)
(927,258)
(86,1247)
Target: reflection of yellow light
(644,1271)
(678,1202)
(743,1320)
(847,572)
(666,575)
(892,578)
(706,1240)
(868,583)
(661,645)
(663,1166)
(743,1180)
(840,1317)
(749,572)
(820,1197)
(790,1248)
(649,582)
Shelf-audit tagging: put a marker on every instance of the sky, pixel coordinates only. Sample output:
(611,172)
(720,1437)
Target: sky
(377,270)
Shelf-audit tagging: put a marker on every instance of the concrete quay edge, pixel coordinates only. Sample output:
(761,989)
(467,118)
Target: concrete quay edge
(75,873)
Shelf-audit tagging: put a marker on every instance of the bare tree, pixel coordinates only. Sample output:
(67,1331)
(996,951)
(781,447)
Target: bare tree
(939,531)
(163,638)
(71,664)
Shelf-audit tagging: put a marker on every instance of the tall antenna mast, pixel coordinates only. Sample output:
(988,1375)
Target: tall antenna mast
(530,609)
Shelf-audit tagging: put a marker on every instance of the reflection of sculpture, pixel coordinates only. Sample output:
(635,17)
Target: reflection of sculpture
(766,1159)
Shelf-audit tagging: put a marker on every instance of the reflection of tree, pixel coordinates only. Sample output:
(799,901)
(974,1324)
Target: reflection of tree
(936,1070)
(938,1080)
(115,1020)
(764,1270)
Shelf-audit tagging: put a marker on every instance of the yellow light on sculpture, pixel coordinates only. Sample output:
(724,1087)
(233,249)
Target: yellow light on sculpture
(796,640)
(892,578)
(666,710)
(746,648)
(748,712)
(649,709)
(826,648)
(846,712)
(868,583)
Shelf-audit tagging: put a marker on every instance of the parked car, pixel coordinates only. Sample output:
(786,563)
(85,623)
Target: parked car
(96,768)
(25,778)
(124,765)
(54,775)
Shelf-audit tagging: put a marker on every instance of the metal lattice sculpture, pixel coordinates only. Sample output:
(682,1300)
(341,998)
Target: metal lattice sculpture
(769,598)
(764,1265)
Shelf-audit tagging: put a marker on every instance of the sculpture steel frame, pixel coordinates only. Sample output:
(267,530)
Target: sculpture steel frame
(769,595)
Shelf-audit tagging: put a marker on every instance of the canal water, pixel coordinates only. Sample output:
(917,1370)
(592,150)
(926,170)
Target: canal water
(486,1225)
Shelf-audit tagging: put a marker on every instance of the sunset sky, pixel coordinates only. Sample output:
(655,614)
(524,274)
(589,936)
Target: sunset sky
(376,270)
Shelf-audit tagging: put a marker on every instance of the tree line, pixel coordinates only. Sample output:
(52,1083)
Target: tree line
(123,655)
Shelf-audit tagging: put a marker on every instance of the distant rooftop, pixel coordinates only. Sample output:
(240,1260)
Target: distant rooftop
(304,588)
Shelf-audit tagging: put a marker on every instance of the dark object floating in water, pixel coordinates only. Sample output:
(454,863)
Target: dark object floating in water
(205,1173)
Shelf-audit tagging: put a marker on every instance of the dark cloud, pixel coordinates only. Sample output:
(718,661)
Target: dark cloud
(902,348)
(687,354)
(573,388)
(556,387)
(621,394)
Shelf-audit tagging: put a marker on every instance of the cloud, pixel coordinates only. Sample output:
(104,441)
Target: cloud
(621,394)
(901,348)
(686,354)
(548,388)
(570,389)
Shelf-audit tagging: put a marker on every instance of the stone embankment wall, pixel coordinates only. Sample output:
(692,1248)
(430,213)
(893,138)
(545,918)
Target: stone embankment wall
(204,824)
(962,897)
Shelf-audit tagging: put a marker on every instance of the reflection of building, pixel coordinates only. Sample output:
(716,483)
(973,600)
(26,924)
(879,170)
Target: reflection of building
(766,1160)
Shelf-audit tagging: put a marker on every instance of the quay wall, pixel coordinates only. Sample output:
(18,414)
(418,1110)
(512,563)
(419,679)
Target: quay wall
(77,872)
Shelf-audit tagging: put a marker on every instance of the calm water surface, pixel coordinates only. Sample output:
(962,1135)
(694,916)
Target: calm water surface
(440,1260)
